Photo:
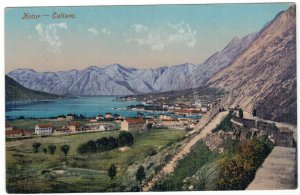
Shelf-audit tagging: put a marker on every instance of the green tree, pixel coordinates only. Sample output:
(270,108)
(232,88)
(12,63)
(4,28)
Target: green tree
(140,174)
(51,148)
(125,139)
(65,149)
(45,150)
(254,112)
(36,146)
(112,171)
(241,113)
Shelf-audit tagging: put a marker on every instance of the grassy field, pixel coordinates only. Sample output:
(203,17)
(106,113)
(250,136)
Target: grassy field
(39,172)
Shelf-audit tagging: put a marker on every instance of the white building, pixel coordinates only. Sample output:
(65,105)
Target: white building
(43,129)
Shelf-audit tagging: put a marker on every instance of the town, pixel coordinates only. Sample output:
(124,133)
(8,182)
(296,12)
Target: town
(178,115)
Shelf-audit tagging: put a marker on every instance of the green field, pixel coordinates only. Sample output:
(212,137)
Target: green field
(39,172)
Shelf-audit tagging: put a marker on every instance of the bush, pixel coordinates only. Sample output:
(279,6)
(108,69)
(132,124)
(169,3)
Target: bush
(51,148)
(236,173)
(36,146)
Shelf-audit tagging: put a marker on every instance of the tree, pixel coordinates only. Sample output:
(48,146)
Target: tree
(51,148)
(36,146)
(102,144)
(112,143)
(125,139)
(140,174)
(254,112)
(112,171)
(241,114)
(45,150)
(65,149)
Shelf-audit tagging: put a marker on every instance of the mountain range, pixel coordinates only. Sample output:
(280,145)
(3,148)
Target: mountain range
(119,80)
(264,75)
(16,92)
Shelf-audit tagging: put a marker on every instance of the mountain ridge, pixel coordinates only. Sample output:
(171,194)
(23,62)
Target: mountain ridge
(115,79)
(264,76)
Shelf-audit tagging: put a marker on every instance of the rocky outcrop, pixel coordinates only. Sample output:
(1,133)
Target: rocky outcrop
(264,75)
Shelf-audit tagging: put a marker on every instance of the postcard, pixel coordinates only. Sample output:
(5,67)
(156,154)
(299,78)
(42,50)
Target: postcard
(141,98)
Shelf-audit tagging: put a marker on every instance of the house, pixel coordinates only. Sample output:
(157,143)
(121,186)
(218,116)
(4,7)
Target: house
(93,120)
(99,117)
(70,117)
(108,115)
(164,117)
(170,122)
(133,124)
(61,118)
(8,127)
(74,126)
(43,129)
(17,133)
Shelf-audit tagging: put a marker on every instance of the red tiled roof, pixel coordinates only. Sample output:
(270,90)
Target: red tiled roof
(44,126)
(76,124)
(17,132)
(172,119)
(135,120)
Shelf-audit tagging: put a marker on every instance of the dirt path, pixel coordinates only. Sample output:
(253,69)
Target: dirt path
(169,168)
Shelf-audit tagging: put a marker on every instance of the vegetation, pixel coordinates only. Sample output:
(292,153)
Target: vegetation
(51,148)
(28,172)
(45,150)
(112,171)
(199,155)
(65,149)
(125,139)
(241,113)
(105,144)
(140,174)
(36,146)
(236,173)
(254,112)
(16,92)
(226,124)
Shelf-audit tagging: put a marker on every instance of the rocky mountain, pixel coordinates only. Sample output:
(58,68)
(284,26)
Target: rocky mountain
(16,92)
(264,75)
(119,80)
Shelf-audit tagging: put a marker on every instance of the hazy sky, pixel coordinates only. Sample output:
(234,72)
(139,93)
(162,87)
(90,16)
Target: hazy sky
(135,36)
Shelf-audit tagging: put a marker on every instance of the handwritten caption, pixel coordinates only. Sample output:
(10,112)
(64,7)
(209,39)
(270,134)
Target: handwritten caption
(54,15)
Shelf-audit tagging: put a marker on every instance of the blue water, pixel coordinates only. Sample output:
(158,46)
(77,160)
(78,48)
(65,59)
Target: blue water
(89,106)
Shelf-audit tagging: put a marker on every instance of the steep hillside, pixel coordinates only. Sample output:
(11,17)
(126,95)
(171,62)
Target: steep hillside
(264,75)
(16,92)
(116,79)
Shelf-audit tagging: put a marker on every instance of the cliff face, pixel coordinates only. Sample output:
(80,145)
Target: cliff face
(264,75)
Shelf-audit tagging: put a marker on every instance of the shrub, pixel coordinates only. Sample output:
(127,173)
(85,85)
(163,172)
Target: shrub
(65,149)
(51,148)
(36,146)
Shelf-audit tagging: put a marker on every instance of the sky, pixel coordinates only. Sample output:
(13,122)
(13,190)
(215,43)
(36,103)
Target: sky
(134,36)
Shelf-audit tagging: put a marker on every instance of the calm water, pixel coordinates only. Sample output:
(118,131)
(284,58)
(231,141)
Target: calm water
(89,106)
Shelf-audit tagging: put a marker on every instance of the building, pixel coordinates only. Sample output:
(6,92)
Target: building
(74,126)
(108,115)
(170,122)
(93,120)
(8,127)
(61,118)
(99,117)
(17,133)
(164,117)
(70,117)
(43,129)
(133,124)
